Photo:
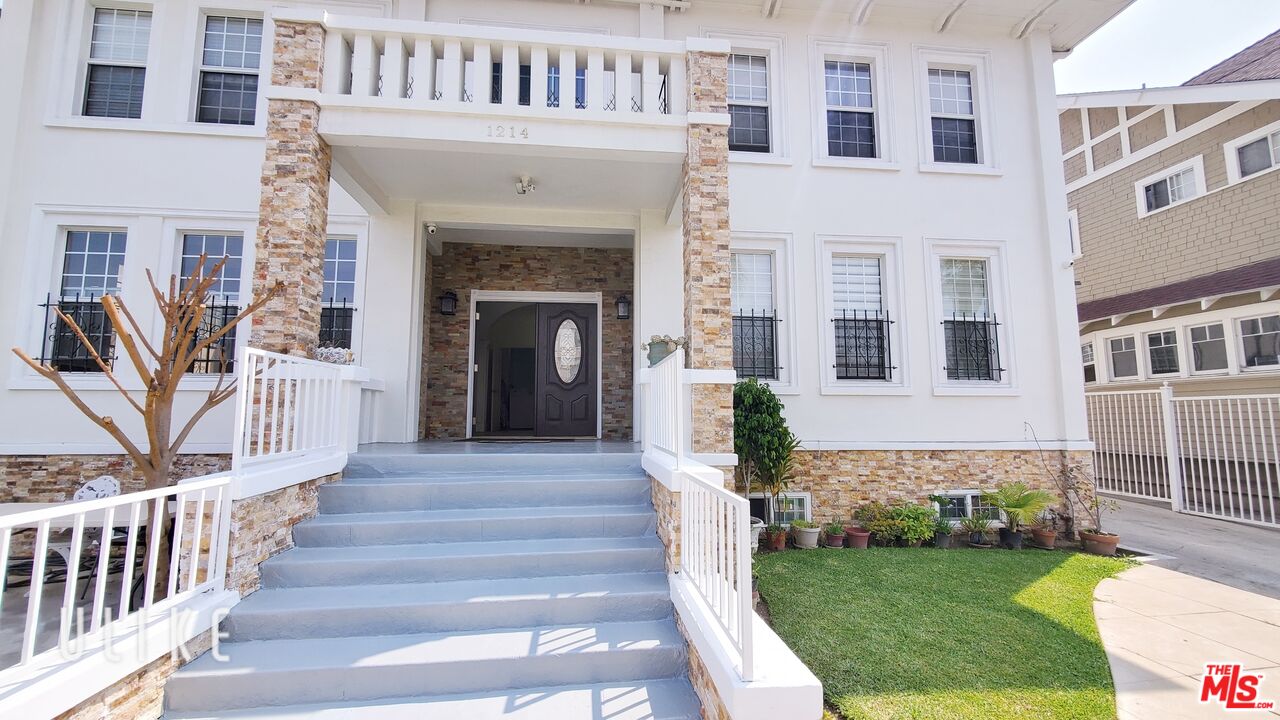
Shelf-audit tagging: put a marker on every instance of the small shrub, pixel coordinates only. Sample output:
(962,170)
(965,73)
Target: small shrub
(835,528)
(803,524)
(905,522)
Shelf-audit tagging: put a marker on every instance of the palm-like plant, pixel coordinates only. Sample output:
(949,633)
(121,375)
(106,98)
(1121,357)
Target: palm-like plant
(775,474)
(1019,503)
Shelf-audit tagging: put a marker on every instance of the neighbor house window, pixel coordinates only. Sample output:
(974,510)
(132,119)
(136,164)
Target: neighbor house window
(850,107)
(117,68)
(1124,357)
(1171,187)
(337,312)
(749,103)
(1208,348)
(229,70)
(91,264)
(1260,338)
(953,121)
(1258,155)
(223,299)
(1090,365)
(860,321)
(1162,352)
(755,346)
(970,328)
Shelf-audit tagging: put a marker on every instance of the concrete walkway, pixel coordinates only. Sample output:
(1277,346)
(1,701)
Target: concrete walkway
(1161,627)
(1242,556)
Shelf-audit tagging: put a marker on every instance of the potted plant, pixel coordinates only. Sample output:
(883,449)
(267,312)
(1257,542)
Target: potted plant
(942,533)
(856,537)
(661,346)
(765,446)
(777,536)
(977,526)
(1019,504)
(916,523)
(804,534)
(757,527)
(1044,534)
(835,535)
(1093,538)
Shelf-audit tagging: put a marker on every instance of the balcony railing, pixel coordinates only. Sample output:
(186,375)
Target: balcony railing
(482,69)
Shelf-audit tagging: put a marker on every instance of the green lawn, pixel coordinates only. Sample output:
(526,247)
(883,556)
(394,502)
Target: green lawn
(945,634)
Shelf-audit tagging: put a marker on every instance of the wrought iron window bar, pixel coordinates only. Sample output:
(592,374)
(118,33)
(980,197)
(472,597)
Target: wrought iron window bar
(863,345)
(972,347)
(220,357)
(336,320)
(755,344)
(60,346)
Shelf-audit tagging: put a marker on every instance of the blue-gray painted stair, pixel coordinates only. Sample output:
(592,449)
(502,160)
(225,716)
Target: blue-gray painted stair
(499,585)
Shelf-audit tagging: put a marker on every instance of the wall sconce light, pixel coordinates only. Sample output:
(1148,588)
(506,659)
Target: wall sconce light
(449,303)
(624,307)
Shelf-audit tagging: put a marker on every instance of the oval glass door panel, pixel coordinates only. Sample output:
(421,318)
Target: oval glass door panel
(568,352)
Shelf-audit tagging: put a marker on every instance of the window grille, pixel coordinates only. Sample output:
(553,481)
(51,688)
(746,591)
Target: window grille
(863,346)
(972,347)
(755,344)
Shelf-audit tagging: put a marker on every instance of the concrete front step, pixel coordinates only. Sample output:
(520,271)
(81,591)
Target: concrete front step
(426,493)
(355,610)
(407,462)
(365,668)
(474,524)
(668,699)
(437,562)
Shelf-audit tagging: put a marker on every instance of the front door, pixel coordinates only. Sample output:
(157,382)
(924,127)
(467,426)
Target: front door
(565,384)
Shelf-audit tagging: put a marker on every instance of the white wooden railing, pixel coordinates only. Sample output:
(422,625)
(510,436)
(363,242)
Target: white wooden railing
(426,64)
(1217,456)
(121,538)
(715,524)
(288,407)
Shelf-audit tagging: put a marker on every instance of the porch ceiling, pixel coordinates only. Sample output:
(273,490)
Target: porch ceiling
(375,175)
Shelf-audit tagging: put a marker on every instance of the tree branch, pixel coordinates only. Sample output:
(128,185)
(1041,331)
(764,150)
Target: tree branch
(93,352)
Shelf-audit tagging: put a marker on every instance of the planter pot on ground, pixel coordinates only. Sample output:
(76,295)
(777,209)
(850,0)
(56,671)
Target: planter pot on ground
(1013,540)
(942,540)
(1044,539)
(834,541)
(1004,537)
(805,538)
(778,540)
(976,538)
(857,539)
(757,527)
(1099,543)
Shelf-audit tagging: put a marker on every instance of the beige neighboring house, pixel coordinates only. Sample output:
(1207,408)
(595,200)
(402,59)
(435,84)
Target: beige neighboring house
(1175,229)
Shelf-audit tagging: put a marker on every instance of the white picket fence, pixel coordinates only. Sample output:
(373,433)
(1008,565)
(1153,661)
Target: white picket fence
(715,524)
(1217,456)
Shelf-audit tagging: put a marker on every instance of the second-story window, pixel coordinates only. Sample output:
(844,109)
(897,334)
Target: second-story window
(337,312)
(1162,352)
(851,119)
(229,64)
(1208,348)
(970,328)
(91,264)
(1260,340)
(755,337)
(1090,365)
(860,323)
(117,68)
(1124,358)
(952,116)
(749,103)
(223,301)
(1170,190)
(1261,154)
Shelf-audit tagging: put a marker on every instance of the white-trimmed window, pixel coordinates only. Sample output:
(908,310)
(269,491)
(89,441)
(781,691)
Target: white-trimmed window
(1208,348)
(970,325)
(790,506)
(755,316)
(1171,187)
(1073,234)
(223,301)
(956,103)
(1089,362)
(91,262)
(749,103)
(953,117)
(338,304)
(229,60)
(957,505)
(117,67)
(860,301)
(1124,357)
(852,103)
(1260,341)
(1162,352)
(1253,154)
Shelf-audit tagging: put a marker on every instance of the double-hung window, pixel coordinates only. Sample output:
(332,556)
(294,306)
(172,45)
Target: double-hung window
(117,68)
(1090,364)
(229,64)
(755,317)
(1258,155)
(337,313)
(1162,352)
(749,103)
(222,303)
(860,320)
(952,116)
(1208,348)
(970,326)
(850,108)
(1260,341)
(1124,357)
(91,264)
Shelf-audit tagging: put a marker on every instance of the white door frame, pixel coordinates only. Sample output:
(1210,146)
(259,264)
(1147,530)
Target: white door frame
(580,298)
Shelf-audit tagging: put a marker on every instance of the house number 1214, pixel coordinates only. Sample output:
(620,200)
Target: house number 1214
(508,131)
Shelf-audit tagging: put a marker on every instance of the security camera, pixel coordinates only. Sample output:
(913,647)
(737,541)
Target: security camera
(432,229)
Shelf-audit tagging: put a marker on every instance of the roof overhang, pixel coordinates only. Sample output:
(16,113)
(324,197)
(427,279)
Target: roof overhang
(1180,95)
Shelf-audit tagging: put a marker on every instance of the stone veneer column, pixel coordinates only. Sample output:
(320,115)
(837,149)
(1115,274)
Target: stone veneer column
(293,213)
(708,315)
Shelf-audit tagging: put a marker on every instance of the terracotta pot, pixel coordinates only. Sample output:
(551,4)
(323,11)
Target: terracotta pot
(778,540)
(1044,539)
(856,538)
(1099,543)
(834,541)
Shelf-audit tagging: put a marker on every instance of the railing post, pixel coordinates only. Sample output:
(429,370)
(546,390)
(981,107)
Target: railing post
(1173,457)
(679,407)
(337,64)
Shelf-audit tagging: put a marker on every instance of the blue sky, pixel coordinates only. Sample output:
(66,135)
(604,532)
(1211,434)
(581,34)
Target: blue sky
(1165,42)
